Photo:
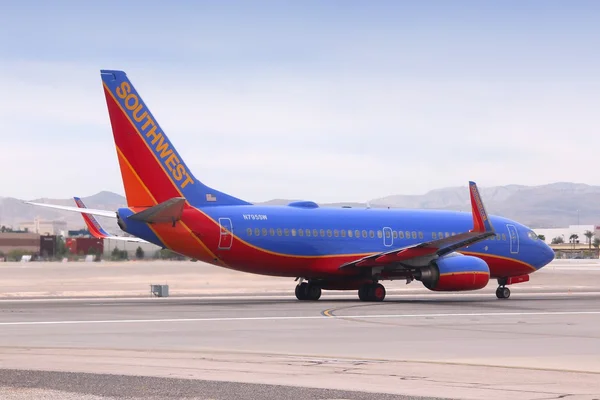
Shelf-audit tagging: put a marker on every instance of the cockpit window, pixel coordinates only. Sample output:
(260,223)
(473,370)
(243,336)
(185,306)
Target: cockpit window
(532,235)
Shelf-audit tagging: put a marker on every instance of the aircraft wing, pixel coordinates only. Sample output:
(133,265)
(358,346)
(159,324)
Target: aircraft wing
(425,251)
(96,228)
(102,213)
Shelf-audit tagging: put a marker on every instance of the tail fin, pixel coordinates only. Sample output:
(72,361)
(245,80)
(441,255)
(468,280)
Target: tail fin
(92,223)
(151,168)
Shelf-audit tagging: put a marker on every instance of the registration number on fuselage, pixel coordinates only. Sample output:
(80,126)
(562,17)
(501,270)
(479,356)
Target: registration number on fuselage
(255,217)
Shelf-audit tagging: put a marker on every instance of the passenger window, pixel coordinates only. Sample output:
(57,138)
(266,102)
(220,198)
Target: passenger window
(371,234)
(503,236)
(401,234)
(300,232)
(349,233)
(328,232)
(414,235)
(336,233)
(408,234)
(441,235)
(308,232)
(447,234)
(322,232)
(257,231)
(364,233)
(357,233)
(293,232)
(286,232)
(315,233)
(249,231)
(343,232)
(493,237)
(395,234)
(387,234)
(433,235)
(420,235)
(453,233)
(272,232)
(264,231)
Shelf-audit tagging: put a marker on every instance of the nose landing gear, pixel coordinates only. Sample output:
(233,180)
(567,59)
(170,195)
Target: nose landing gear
(503,292)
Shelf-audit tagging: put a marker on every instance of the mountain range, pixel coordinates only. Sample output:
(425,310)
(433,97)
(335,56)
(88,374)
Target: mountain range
(546,206)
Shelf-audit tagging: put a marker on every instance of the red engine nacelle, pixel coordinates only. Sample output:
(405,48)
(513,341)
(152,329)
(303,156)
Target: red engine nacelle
(455,273)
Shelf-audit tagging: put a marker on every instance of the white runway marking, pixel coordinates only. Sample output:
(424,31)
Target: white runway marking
(281,318)
(391,294)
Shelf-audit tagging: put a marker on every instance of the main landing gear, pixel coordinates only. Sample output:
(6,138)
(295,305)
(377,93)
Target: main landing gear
(371,292)
(308,291)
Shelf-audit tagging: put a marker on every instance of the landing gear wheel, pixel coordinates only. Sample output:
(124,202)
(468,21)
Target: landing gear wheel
(371,292)
(377,293)
(301,291)
(503,292)
(313,292)
(363,293)
(306,291)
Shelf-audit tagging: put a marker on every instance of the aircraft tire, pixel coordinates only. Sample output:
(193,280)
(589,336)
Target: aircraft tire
(377,292)
(313,292)
(301,291)
(306,291)
(371,292)
(503,292)
(363,292)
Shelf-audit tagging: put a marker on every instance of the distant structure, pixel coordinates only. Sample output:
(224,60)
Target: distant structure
(130,247)
(27,242)
(566,233)
(45,227)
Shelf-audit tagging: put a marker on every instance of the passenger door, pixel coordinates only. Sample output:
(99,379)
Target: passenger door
(226,234)
(388,240)
(513,237)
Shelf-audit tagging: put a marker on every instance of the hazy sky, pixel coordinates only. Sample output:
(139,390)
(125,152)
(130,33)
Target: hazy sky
(317,100)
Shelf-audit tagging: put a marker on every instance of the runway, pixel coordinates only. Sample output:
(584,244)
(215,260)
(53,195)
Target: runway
(542,343)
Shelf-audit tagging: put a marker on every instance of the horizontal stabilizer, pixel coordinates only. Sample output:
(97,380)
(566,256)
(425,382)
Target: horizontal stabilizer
(167,211)
(102,213)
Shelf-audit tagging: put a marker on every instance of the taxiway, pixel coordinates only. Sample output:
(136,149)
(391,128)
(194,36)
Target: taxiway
(543,342)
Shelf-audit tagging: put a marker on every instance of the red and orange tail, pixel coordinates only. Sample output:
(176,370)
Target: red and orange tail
(481,221)
(92,223)
(151,168)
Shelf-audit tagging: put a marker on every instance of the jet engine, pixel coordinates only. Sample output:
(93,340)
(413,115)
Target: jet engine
(454,272)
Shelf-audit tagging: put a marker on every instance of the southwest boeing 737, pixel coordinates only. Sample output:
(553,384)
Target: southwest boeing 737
(323,248)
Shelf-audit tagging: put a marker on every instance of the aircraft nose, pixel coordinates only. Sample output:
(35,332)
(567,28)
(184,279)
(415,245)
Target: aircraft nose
(547,254)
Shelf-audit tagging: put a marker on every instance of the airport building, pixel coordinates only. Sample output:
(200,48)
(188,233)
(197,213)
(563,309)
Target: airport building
(26,242)
(131,247)
(565,233)
(43,227)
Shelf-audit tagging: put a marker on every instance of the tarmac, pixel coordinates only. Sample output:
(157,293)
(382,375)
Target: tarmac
(92,330)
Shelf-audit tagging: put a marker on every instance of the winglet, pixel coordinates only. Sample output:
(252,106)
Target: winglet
(481,222)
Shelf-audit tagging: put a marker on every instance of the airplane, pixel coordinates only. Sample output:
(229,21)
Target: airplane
(98,231)
(323,248)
